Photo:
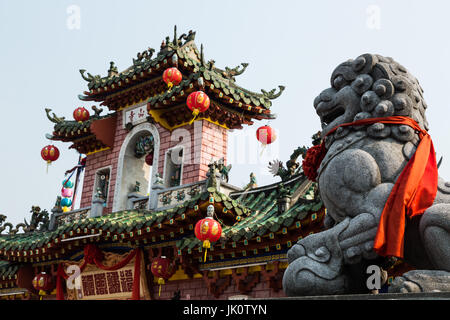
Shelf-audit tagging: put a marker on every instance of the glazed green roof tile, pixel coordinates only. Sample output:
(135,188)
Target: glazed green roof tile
(8,269)
(264,216)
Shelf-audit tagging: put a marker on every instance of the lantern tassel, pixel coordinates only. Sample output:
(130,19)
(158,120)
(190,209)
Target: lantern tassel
(160,282)
(195,114)
(262,149)
(206,245)
(170,85)
(48,163)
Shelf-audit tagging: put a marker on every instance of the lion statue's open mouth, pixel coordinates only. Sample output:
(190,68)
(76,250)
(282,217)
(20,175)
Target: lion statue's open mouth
(356,176)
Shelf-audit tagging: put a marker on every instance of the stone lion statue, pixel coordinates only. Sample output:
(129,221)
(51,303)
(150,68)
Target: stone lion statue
(355,179)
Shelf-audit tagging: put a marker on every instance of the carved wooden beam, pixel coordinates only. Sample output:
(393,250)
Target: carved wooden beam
(273,277)
(189,267)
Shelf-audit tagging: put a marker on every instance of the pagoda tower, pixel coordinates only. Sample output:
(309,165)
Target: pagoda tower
(145,113)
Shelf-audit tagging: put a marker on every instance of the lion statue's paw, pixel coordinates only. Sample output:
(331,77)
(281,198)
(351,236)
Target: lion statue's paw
(421,281)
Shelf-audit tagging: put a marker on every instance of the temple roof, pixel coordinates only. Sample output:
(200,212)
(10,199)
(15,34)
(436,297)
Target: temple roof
(254,230)
(143,80)
(265,218)
(245,218)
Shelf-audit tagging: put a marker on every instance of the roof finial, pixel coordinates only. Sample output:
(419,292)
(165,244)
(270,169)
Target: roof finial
(175,35)
(112,69)
(202,60)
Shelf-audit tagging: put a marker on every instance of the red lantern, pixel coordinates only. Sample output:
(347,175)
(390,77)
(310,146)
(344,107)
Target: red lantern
(162,269)
(266,135)
(43,282)
(197,102)
(172,76)
(50,153)
(208,230)
(81,114)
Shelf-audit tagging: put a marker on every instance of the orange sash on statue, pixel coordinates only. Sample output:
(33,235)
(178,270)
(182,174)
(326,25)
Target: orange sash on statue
(413,192)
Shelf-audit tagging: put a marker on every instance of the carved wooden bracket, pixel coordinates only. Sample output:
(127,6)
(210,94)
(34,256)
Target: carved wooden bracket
(273,277)
(216,285)
(245,282)
(189,267)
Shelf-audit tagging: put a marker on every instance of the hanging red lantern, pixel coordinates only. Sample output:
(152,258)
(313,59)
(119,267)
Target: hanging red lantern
(81,114)
(43,282)
(197,102)
(172,76)
(162,269)
(208,230)
(50,153)
(266,135)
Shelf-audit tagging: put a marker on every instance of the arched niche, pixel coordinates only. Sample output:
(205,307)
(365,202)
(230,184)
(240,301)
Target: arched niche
(131,168)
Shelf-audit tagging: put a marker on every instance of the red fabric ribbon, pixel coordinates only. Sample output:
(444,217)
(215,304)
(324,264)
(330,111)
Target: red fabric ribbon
(93,255)
(413,192)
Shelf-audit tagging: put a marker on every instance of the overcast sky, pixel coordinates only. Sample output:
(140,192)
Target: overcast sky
(292,43)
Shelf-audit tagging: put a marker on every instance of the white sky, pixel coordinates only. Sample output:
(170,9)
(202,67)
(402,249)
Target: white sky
(293,43)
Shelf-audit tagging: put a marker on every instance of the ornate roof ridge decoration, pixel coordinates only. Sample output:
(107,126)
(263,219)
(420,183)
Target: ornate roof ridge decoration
(123,222)
(270,187)
(143,58)
(190,61)
(39,222)
(54,118)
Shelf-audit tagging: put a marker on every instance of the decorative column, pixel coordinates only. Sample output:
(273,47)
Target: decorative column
(133,195)
(284,199)
(156,187)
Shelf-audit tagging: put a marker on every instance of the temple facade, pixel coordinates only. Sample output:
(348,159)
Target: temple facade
(152,170)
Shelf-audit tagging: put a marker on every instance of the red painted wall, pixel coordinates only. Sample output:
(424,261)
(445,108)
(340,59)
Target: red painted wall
(100,160)
(207,140)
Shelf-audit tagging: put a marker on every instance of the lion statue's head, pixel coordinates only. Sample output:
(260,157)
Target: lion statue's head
(371,86)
